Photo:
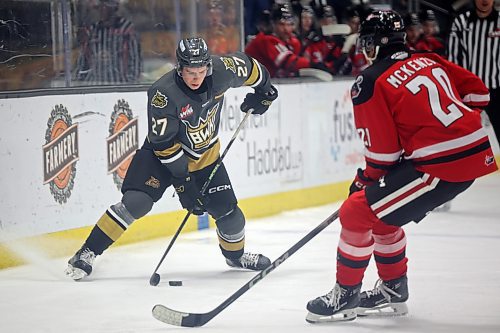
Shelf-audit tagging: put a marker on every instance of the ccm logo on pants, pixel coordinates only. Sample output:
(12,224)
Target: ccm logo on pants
(219,188)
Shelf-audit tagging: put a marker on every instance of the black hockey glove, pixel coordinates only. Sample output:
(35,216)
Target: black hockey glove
(360,182)
(189,195)
(259,101)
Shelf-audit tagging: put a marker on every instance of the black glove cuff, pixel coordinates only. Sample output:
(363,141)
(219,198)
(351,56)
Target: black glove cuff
(271,93)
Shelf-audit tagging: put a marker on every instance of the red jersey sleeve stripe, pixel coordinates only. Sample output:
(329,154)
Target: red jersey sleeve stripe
(476,98)
(437,148)
(383,158)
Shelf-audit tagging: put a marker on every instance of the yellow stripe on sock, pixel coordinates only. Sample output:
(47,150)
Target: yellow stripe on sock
(237,246)
(110,227)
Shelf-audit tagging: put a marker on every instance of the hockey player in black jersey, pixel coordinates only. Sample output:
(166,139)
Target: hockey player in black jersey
(182,148)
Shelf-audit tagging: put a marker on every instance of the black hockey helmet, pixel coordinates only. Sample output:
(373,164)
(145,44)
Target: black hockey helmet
(427,15)
(381,29)
(411,19)
(193,52)
(281,12)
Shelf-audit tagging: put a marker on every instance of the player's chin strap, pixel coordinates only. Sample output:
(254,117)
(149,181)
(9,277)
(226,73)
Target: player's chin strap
(375,54)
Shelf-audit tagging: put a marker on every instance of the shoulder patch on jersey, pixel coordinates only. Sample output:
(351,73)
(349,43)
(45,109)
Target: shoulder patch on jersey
(159,100)
(400,55)
(229,63)
(356,87)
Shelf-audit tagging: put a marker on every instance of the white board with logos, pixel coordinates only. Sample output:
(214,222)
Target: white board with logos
(64,156)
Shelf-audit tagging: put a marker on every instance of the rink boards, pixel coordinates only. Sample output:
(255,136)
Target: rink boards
(64,158)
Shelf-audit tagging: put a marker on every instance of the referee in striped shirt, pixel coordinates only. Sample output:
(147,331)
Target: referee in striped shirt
(110,49)
(474,44)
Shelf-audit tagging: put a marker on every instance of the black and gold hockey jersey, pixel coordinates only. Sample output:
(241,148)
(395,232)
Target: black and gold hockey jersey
(184,123)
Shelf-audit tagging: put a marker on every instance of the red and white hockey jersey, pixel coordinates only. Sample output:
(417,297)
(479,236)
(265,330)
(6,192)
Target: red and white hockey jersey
(421,107)
(279,57)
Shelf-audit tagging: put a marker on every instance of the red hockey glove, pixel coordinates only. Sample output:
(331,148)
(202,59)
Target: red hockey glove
(360,182)
(189,195)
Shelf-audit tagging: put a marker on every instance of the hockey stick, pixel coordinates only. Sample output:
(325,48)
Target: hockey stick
(155,277)
(316,73)
(186,319)
(335,29)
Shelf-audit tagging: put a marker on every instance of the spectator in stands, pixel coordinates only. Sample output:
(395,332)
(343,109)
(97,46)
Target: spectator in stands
(351,61)
(279,51)
(429,40)
(216,35)
(252,12)
(326,15)
(332,43)
(413,30)
(110,50)
(339,6)
(233,24)
(312,42)
(256,46)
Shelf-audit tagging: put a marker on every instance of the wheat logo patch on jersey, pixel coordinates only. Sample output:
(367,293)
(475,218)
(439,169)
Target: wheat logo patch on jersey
(60,153)
(159,100)
(152,182)
(356,87)
(186,111)
(201,134)
(122,142)
(229,63)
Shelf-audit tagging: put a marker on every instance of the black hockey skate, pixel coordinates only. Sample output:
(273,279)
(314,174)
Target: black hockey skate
(387,298)
(80,265)
(253,261)
(338,305)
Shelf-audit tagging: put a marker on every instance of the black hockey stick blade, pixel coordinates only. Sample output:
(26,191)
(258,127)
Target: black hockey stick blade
(187,319)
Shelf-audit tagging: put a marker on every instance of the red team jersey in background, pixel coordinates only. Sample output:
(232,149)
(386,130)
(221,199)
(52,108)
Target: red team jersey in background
(404,103)
(279,57)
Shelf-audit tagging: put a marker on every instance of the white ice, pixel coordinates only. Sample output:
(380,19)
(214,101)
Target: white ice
(454,279)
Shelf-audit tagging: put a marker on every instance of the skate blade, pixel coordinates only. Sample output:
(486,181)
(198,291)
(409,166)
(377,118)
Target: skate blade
(384,310)
(345,315)
(75,273)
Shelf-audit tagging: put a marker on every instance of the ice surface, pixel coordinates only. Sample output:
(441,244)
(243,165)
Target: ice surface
(454,279)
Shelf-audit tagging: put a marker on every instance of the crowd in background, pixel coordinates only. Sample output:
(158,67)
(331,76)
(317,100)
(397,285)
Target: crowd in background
(124,42)
(291,35)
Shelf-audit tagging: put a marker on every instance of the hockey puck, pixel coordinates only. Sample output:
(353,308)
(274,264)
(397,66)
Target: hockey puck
(175,283)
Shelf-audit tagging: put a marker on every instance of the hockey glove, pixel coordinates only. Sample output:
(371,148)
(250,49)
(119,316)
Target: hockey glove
(360,182)
(259,101)
(189,195)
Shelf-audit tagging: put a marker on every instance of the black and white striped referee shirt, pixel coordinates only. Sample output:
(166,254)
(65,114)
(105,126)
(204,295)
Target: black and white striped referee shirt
(474,44)
(110,53)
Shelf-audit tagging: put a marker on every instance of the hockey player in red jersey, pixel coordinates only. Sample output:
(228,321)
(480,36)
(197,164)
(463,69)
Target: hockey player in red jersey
(424,145)
(279,51)
(429,40)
